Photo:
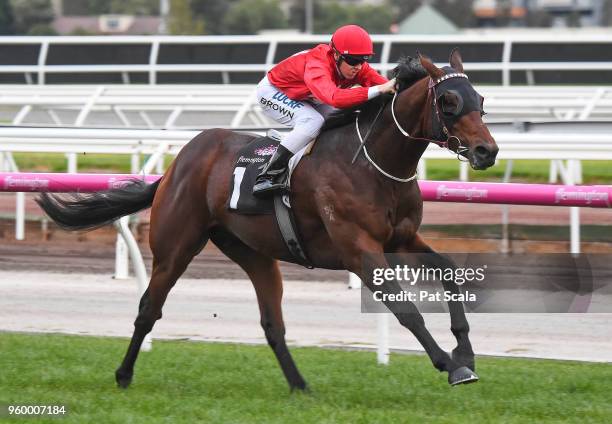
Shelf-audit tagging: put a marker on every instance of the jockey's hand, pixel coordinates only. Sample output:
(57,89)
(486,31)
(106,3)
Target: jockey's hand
(388,87)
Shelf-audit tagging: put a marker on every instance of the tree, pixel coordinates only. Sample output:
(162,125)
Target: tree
(181,21)
(86,7)
(32,14)
(375,19)
(212,12)
(328,16)
(7,20)
(79,31)
(251,16)
(135,7)
(42,29)
(297,13)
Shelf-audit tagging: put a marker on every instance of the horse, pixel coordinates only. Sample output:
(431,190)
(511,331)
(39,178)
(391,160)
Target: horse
(348,206)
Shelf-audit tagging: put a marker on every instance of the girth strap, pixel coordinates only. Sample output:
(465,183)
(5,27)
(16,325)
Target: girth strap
(288,229)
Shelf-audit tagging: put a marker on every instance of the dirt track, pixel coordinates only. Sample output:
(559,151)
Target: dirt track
(316,313)
(62,283)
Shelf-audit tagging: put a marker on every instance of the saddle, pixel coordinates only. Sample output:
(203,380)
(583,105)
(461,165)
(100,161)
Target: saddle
(250,160)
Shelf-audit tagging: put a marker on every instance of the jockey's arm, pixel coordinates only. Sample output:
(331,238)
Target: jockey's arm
(320,83)
(368,77)
(324,88)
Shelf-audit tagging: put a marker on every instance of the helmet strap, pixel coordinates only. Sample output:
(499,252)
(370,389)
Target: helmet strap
(335,50)
(339,60)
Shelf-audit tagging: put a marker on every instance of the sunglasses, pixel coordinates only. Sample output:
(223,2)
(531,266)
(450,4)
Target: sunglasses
(354,60)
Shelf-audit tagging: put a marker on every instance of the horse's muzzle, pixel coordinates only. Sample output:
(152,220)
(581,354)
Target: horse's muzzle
(483,156)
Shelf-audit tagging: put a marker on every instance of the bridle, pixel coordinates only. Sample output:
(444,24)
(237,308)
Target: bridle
(431,87)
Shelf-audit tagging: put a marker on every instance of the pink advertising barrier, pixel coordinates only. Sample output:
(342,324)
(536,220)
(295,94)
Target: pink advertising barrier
(62,183)
(598,196)
(435,191)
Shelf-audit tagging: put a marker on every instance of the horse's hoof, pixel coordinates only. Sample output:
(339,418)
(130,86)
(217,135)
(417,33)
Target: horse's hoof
(462,375)
(465,360)
(123,380)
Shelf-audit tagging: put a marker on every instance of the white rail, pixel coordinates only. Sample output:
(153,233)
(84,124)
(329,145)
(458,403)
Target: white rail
(151,61)
(221,105)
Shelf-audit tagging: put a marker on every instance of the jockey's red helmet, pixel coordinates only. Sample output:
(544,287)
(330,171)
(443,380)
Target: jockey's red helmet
(352,40)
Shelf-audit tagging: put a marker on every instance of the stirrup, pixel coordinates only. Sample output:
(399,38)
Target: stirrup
(268,186)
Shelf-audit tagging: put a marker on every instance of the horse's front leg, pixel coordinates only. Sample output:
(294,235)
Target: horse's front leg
(463,353)
(361,253)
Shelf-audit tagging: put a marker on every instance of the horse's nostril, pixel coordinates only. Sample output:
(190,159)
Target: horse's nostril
(482,152)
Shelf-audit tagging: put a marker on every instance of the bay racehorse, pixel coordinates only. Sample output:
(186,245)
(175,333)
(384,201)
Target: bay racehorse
(346,210)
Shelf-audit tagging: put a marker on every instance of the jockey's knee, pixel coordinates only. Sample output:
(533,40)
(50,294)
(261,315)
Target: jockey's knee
(316,125)
(303,133)
(311,126)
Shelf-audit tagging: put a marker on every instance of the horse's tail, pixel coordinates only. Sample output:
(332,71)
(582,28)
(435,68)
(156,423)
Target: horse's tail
(89,211)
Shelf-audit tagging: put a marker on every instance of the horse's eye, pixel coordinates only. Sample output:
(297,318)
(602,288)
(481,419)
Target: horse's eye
(450,104)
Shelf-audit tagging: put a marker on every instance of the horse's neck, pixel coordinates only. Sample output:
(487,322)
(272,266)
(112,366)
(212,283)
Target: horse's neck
(394,152)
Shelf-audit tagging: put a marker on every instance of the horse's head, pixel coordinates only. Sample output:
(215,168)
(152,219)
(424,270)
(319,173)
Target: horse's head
(456,110)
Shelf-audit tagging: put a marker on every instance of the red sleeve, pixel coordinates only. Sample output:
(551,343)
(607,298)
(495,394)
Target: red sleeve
(318,79)
(368,77)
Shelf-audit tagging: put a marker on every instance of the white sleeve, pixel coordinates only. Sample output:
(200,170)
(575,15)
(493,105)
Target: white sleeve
(373,92)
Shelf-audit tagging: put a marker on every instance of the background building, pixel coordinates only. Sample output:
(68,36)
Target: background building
(558,13)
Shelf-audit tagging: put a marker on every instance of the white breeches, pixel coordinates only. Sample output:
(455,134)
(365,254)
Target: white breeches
(305,117)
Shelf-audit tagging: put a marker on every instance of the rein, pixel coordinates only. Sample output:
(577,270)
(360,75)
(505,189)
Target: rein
(365,152)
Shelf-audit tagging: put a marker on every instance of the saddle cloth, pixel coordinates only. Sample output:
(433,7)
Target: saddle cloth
(249,163)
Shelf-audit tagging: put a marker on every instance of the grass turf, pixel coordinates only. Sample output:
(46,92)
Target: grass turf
(225,383)
(534,171)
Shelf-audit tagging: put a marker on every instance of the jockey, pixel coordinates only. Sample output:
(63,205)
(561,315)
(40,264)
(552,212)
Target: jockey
(303,89)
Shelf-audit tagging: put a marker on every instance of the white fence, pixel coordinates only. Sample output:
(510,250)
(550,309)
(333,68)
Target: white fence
(500,58)
(132,106)
(578,141)
(202,106)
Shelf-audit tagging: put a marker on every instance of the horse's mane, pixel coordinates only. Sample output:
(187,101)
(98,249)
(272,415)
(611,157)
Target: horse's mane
(408,71)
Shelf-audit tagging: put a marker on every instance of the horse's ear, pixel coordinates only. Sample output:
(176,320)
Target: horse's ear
(455,60)
(433,71)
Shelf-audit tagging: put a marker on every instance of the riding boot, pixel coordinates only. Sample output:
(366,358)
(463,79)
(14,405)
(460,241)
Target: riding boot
(274,175)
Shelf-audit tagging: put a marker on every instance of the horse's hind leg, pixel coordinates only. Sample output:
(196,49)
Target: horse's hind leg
(174,246)
(266,277)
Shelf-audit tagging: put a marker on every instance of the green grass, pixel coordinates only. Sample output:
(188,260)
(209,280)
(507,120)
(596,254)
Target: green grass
(594,172)
(224,383)
(57,162)
(532,171)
